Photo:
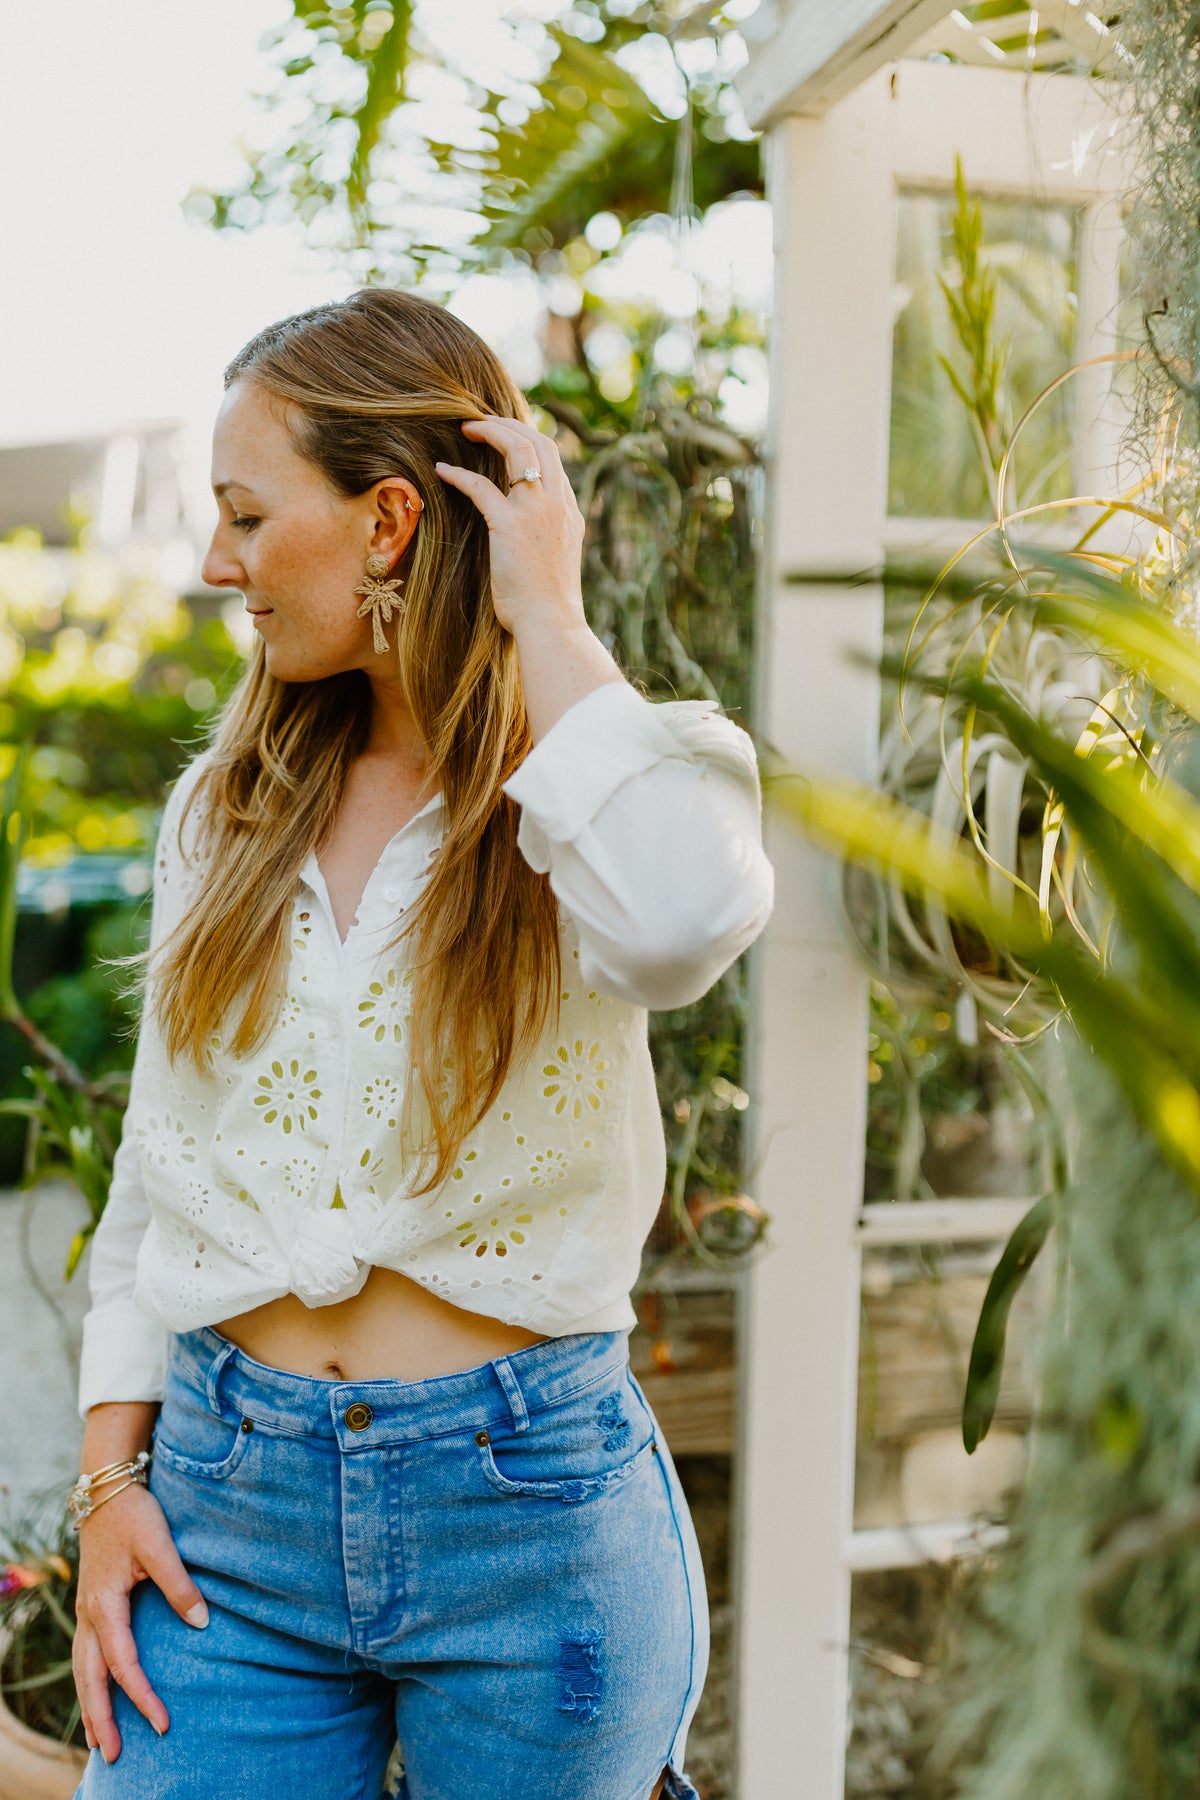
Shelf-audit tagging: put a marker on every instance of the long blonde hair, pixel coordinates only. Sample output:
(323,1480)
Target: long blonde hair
(373,386)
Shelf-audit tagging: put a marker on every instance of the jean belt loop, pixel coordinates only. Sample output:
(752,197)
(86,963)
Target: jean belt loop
(213,1379)
(512,1392)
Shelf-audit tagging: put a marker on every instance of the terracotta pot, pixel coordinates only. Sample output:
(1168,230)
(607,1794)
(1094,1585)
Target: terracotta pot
(33,1767)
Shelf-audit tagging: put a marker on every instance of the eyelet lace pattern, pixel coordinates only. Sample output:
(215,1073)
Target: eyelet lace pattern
(287,1172)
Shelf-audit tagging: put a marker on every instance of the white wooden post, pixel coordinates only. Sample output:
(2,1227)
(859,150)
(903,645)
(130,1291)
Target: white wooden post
(830,185)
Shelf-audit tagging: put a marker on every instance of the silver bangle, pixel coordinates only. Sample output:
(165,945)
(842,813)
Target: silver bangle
(81,1501)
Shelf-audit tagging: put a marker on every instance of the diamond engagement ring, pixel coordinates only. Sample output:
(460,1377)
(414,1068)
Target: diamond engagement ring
(533,473)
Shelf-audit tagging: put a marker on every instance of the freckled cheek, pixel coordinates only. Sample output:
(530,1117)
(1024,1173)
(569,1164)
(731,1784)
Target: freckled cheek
(307,582)
(286,567)
(282,573)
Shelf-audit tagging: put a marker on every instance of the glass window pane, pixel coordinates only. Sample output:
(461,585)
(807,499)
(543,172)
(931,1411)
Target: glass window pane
(1139,325)
(945,1117)
(899,1637)
(937,467)
(920,1307)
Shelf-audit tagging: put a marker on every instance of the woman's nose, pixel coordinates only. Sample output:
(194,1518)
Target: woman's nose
(219,568)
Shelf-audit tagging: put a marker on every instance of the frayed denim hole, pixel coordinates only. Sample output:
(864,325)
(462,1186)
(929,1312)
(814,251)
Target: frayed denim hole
(613,1422)
(580,1674)
(395,1785)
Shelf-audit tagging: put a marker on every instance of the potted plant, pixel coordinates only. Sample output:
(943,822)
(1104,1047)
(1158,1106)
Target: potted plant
(42,1749)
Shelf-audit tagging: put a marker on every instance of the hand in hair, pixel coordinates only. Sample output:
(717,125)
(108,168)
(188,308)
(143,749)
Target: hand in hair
(535,531)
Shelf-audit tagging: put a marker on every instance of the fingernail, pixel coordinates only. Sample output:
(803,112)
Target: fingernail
(198,1614)
(161,1729)
(439,465)
(105,1755)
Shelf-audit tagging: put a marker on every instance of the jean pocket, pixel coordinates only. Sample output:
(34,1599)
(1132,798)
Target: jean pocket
(584,1447)
(192,1439)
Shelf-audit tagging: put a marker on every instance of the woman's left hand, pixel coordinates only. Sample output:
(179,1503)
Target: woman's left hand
(536,530)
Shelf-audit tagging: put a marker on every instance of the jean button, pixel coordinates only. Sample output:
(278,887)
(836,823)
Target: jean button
(359,1416)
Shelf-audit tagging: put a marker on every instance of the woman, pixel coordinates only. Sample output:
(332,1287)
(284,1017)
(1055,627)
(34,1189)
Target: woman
(361,1287)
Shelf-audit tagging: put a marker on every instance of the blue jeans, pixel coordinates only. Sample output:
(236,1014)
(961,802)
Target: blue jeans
(497,1568)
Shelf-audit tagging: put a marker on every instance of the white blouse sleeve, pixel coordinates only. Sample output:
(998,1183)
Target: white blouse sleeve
(648,818)
(124,1351)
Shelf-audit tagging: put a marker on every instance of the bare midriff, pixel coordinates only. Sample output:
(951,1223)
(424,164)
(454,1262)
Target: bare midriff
(392,1328)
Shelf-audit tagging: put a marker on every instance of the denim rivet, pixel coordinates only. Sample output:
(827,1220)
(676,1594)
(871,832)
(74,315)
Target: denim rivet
(247,1424)
(654,1445)
(483,1437)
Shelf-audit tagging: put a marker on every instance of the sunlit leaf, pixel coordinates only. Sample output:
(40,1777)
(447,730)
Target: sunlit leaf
(1110,807)
(1114,616)
(79,1244)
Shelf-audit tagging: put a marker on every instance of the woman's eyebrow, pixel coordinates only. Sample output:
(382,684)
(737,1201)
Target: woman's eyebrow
(223,487)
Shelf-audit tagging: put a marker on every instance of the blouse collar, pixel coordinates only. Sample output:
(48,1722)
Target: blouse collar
(391,855)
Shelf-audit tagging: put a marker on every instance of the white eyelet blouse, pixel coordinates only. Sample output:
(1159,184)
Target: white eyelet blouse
(282,1173)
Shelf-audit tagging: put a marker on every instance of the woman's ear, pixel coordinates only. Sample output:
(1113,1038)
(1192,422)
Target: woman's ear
(396,508)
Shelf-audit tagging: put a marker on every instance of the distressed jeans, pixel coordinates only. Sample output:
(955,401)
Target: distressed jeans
(496,1568)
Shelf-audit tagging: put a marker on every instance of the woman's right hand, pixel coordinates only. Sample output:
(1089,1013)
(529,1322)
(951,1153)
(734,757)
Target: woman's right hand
(126,1540)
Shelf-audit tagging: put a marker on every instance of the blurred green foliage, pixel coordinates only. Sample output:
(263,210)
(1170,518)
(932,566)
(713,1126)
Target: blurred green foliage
(108,678)
(568,131)
(108,675)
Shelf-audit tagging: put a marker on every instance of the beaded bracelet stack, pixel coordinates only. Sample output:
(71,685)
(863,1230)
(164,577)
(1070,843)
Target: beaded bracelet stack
(80,1501)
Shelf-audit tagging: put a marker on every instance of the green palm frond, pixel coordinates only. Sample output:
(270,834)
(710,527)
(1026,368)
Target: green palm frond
(385,89)
(596,142)
(373,40)
(547,172)
(592,141)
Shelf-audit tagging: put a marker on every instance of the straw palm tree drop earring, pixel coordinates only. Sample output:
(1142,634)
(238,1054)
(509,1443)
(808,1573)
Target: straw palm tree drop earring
(380,596)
